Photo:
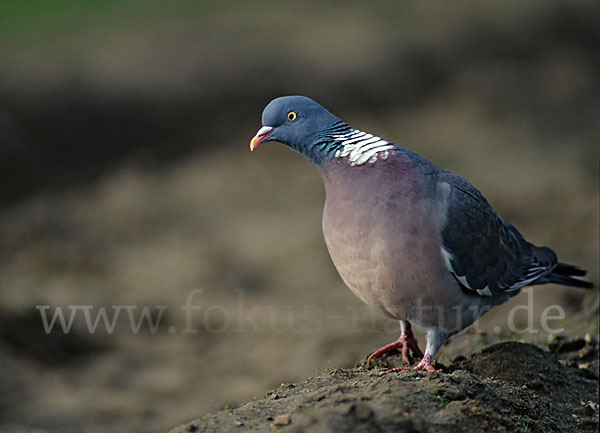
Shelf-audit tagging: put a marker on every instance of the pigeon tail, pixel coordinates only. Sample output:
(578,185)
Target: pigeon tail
(563,274)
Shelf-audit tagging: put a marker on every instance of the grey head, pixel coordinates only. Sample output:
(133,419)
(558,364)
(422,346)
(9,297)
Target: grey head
(297,122)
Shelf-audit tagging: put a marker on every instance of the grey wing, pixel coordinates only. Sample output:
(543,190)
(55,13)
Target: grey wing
(484,252)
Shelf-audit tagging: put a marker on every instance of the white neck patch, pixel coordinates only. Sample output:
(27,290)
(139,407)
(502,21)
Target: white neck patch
(361,147)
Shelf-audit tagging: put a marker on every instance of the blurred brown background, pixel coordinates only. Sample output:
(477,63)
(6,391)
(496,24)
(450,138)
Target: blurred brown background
(126,180)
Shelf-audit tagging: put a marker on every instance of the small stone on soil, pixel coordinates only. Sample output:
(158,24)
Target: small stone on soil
(283,419)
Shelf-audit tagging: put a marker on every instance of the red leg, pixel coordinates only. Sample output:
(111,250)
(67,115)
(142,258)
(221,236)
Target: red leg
(435,338)
(406,341)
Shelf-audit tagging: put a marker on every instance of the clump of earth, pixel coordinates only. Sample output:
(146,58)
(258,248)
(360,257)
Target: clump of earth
(507,387)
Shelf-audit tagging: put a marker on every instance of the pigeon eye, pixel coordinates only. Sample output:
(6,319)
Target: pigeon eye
(292,116)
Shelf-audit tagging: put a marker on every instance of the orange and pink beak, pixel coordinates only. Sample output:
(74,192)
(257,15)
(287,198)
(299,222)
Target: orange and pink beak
(263,134)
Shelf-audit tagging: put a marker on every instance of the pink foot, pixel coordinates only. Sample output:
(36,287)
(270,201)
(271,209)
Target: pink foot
(427,364)
(406,341)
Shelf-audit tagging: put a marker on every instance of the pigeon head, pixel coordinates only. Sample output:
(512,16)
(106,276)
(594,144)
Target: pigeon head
(297,122)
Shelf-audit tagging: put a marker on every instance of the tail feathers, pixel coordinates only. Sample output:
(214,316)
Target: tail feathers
(568,270)
(563,273)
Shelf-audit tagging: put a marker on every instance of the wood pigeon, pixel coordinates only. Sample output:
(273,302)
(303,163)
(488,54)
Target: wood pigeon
(414,241)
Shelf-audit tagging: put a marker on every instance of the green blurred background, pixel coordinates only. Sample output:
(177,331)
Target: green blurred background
(126,180)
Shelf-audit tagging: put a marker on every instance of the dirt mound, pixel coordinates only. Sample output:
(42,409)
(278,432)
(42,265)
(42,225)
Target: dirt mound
(508,387)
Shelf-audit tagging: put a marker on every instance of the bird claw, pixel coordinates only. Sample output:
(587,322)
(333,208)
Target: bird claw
(387,348)
(406,342)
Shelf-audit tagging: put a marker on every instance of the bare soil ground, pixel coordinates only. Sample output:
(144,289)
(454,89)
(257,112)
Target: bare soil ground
(507,387)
